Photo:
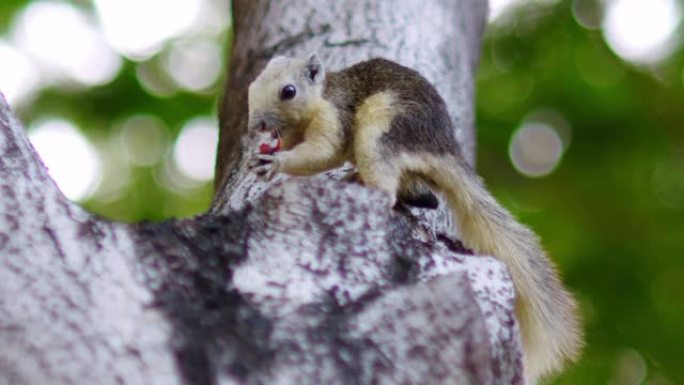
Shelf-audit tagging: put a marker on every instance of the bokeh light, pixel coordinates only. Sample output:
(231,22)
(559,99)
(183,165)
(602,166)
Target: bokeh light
(66,43)
(195,150)
(19,78)
(537,146)
(498,7)
(194,64)
(588,13)
(144,139)
(117,179)
(154,79)
(139,28)
(642,31)
(71,160)
(630,368)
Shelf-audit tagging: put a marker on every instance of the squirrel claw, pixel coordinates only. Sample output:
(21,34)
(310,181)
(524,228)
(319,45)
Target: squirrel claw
(265,165)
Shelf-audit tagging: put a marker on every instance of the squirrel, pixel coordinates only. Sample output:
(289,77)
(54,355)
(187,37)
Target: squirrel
(393,125)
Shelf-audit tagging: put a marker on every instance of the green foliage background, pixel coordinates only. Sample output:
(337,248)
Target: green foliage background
(611,214)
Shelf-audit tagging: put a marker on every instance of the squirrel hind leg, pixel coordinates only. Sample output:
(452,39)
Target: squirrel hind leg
(383,176)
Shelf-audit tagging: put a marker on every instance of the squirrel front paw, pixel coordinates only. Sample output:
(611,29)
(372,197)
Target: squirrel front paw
(265,165)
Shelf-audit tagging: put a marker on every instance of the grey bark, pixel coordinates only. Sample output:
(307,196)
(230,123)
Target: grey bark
(305,281)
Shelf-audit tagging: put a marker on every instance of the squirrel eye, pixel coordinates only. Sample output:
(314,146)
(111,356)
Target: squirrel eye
(288,92)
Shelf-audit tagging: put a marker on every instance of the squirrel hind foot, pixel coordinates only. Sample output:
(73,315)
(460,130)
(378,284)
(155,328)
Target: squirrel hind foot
(424,200)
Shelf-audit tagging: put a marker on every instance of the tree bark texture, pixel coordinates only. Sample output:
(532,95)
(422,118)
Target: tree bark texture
(300,281)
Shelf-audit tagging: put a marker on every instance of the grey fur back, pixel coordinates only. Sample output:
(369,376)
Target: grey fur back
(422,122)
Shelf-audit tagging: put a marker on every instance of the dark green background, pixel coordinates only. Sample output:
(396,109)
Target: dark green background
(611,214)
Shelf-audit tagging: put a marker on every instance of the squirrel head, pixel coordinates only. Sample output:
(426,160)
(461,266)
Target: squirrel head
(281,98)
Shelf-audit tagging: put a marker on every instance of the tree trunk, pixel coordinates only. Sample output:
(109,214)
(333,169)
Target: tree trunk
(299,281)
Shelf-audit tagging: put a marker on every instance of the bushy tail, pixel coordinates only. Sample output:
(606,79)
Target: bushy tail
(547,313)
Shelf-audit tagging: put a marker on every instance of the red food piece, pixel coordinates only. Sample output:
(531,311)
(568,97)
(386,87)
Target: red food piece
(265,148)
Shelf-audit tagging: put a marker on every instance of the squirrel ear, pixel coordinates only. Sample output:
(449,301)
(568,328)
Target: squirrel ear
(313,69)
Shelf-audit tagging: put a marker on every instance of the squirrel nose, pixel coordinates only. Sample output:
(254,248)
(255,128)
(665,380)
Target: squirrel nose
(262,126)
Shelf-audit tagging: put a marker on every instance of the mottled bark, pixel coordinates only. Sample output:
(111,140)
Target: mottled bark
(303,281)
